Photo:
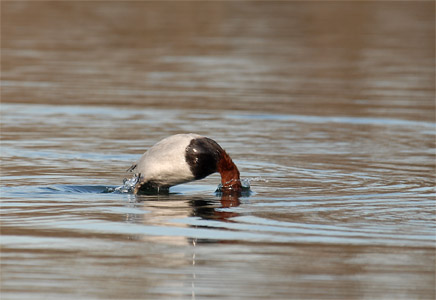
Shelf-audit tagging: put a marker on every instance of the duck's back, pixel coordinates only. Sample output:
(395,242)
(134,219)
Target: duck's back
(164,164)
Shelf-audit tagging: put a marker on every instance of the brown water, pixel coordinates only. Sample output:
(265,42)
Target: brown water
(326,107)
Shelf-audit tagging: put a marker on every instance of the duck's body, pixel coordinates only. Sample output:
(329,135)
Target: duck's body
(183,158)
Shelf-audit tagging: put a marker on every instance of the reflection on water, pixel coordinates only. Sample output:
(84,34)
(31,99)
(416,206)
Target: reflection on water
(326,108)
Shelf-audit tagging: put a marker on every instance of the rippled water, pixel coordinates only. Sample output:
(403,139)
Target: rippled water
(326,108)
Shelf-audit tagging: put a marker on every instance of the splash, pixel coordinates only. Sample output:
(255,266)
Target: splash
(127,188)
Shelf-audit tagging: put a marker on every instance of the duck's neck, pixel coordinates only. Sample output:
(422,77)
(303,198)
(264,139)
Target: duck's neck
(229,173)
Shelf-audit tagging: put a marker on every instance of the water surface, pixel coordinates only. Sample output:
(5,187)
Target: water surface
(326,108)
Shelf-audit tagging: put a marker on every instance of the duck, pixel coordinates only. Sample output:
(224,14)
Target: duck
(183,158)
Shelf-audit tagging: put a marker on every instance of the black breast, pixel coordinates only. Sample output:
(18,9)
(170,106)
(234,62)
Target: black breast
(202,156)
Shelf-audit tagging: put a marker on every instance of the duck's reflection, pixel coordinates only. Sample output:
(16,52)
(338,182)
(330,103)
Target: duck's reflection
(176,210)
(168,206)
(209,209)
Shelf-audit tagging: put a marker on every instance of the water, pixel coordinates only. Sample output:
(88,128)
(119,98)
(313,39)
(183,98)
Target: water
(326,108)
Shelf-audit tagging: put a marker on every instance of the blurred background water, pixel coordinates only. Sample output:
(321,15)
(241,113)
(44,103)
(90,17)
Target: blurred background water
(326,107)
